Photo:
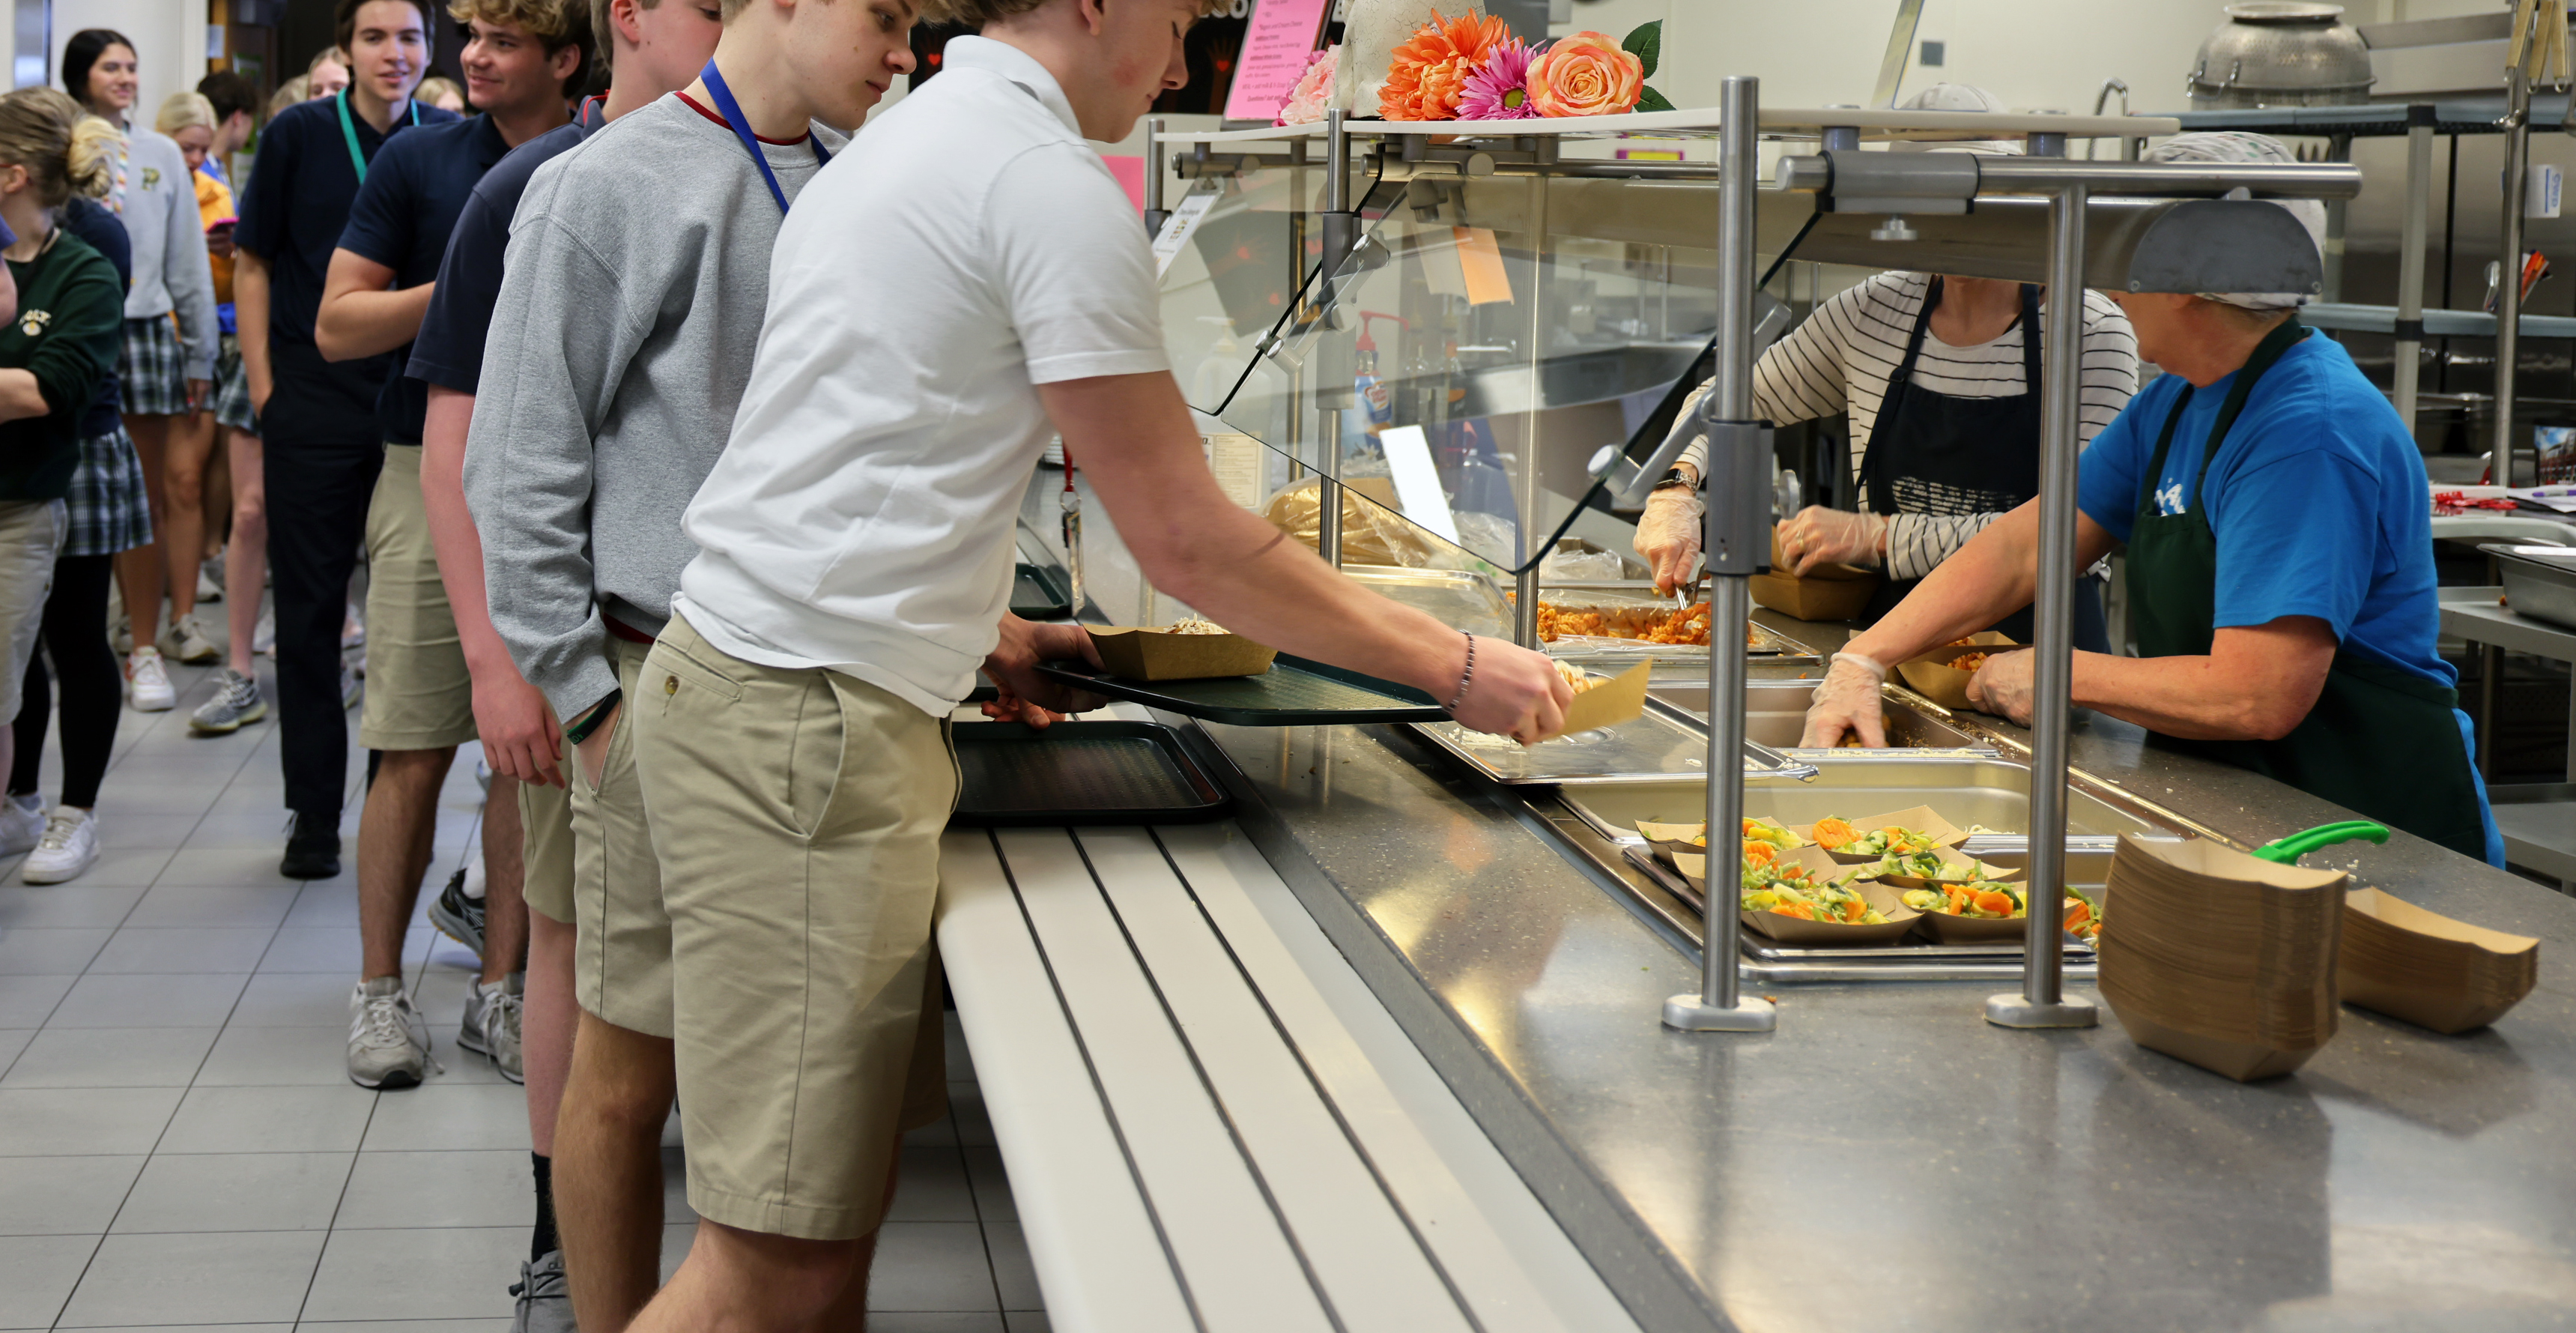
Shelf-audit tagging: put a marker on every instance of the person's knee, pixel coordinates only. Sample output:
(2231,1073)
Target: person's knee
(625,1076)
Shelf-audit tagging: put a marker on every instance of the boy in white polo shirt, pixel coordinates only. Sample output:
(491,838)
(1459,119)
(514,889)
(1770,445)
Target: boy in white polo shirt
(966,271)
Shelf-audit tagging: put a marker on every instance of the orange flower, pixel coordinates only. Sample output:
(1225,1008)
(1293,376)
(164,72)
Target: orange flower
(1585,75)
(1430,72)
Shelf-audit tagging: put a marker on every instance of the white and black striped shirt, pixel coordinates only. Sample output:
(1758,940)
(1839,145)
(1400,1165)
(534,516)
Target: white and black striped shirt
(1839,361)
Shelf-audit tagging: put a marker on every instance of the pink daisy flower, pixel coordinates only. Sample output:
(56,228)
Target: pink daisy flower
(1499,89)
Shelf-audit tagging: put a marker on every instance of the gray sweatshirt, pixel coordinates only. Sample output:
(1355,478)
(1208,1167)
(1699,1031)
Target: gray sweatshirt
(630,310)
(170,270)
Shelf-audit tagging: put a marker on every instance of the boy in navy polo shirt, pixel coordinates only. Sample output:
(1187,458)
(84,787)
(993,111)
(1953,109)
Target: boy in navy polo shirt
(318,418)
(522,62)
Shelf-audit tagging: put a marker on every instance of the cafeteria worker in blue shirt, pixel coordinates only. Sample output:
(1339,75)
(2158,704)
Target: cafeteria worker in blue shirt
(2280,569)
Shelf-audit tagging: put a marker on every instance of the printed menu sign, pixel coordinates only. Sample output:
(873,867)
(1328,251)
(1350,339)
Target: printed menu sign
(1276,42)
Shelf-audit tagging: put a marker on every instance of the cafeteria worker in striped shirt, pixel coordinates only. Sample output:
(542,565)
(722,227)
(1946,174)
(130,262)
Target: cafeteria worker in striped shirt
(1940,377)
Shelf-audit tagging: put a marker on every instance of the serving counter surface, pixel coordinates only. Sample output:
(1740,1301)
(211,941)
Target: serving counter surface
(1887,1159)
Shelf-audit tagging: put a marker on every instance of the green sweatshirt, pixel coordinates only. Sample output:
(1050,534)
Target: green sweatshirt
(71,315)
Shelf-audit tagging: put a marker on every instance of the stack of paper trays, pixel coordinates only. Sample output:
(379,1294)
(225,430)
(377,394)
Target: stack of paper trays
(2428,969)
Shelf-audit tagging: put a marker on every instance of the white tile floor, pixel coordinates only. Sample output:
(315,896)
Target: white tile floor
(180,1147)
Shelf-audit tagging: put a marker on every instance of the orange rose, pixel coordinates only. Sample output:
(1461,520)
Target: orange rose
(1429,72)
(1586,75)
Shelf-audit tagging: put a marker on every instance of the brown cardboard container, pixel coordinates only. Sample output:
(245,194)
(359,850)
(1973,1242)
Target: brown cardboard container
(2239,1060)
(1152,654)
(1920,818)
(1830,573)
(1791,930)
(1622,699)
(1950,857)
(2403,961)
(1813,599)
(1670,839)
(1930,674)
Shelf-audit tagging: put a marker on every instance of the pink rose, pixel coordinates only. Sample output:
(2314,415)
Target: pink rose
(1585,75)
(1307,101)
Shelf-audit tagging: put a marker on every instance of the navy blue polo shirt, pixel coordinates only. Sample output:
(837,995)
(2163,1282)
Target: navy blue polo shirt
(296,204)
(449,350)
(92,222)
(403,215)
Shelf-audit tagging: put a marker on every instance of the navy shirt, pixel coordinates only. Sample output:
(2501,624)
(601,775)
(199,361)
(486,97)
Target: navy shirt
(92,221)
(401,220)
(296,204)
(449,350)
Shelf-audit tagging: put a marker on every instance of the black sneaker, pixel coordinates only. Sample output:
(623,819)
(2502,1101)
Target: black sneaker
(312,848)
(458,917)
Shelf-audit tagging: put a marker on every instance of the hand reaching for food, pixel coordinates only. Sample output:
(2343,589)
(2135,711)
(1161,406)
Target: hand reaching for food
(2002,686)
(1821,536)
(1668,536)
(1848,703)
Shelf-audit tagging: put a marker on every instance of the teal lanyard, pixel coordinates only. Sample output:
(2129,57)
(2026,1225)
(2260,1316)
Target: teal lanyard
(349,133)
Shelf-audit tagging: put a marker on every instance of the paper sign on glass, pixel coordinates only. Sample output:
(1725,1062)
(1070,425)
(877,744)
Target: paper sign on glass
(1480,256)
(1177,228)
(1417,482)
(1276,42)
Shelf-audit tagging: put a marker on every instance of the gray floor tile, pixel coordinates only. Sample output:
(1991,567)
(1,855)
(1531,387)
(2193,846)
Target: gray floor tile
(1026,1321)
(189,1000)
(128,797)
(966,1107)
(37,1274)
(961,1064)
(13,1041)
(227,831)
(241,1277)
(330,902)
(294,999)
(919,1322)
(405,1325)
(116,867)
(260,905)
(457,1064)
(431,1273)
(238,1120)
(197,1328)
(183,949)
(1012,1272)
(993,1201)
(246,865)
(75,904)
(62,1196)
(456,1116)
(935,1266)
(333,949)
(938,1133)
(181,1192)
(278,1057)
(54,953)
(60,1122)
(27,1001)
(439,1189)
(931,1187)
(111,1058)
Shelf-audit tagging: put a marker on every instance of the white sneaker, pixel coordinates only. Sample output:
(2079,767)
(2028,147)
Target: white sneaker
(70,846)
(185,641)
(491,1025)
(264,638)
(388,1042)
(210,579)
(22,824)
(147,682)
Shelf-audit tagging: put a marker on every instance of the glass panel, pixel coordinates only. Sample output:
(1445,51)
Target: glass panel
(1240,272)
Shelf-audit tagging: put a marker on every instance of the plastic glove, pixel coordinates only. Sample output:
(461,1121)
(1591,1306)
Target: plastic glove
(1821,536)
(1848,701)
(1668,536)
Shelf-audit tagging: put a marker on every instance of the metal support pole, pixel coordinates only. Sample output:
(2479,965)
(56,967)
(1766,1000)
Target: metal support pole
(2410,263)
(1526,491)
(1155,213)
(2042,1002)
(2338,149)
(1738,480)
(2517,169)
(1341,226)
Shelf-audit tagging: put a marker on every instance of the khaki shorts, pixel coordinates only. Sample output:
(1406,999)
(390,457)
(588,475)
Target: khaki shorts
(31,536)
(418,694)
(545,813)
(798,815)
(622,967)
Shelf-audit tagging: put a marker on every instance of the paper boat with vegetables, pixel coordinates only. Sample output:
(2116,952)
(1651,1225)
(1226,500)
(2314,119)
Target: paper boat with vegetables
(1873,837)
(1798,898)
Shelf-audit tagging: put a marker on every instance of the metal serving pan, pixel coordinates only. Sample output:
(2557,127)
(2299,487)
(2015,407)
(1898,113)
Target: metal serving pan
(1765,644)
(1764,949)
(1969,790)
(1775,714)
(2539,581)
(1653,747)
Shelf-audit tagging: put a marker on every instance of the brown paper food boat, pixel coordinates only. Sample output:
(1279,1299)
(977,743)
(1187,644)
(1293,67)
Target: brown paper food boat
(1672,839)
(1930,674)
(2428,969)
(1792,930)
(1920,818)
(1620,698)
(1131,653)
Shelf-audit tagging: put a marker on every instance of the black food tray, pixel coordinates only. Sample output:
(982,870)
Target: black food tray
(1294,692)
(1012,775)
(1039,593)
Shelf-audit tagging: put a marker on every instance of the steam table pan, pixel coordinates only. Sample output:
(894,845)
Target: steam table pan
(1085,773)
(1294,692)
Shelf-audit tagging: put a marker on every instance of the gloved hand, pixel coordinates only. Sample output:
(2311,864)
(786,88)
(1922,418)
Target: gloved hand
(1668,536)
(1821,536)
(2002,686)
(1848,701)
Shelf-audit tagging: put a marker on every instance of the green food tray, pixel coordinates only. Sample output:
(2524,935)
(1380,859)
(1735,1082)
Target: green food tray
(1294,692)
(1082,773)
(1039,593)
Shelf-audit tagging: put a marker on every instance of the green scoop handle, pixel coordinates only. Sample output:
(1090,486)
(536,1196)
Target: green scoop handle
(2288,850)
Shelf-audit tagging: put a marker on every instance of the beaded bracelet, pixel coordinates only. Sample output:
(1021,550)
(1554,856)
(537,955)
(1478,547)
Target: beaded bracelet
(1464,677)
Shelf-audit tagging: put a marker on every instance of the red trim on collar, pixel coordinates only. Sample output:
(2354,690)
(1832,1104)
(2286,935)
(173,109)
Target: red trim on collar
(710,114)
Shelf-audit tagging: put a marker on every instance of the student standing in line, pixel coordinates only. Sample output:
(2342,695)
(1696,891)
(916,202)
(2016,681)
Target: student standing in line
(167,365)
(628,318)
(104,513)
(522,60)
(53,356)
(322,443)
(236,701)
(189,120)
(966,275)
(652,49)
(236,103)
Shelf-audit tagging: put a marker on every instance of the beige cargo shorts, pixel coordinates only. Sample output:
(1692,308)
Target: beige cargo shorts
(419,696)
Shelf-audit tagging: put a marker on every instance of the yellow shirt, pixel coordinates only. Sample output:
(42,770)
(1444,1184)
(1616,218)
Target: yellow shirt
(215,204)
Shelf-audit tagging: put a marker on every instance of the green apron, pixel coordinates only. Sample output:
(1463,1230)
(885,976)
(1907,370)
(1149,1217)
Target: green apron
(2381,742)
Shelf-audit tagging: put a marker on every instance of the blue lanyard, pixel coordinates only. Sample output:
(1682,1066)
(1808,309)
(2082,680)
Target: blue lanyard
(349,134)
(742,130)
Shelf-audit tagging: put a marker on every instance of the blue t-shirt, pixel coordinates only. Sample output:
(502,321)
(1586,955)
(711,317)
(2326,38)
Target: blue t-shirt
(402,217)
(2317,497)
(296,204)
(449,350)
(92,221)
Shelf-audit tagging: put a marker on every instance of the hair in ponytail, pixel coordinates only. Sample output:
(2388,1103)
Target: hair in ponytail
(65,149)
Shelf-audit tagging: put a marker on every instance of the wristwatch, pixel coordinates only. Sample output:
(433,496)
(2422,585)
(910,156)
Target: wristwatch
(1676,479)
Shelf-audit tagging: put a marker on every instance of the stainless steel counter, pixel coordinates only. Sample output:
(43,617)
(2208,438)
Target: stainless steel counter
(1887,1160)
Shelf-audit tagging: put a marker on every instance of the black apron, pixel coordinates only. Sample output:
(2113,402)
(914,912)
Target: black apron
(2381,742)
(1985,450)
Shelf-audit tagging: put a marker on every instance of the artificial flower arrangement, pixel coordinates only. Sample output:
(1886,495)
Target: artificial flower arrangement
(1473,68)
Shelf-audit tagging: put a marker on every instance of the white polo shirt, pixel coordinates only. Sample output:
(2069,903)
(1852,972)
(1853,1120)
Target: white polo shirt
(964,249)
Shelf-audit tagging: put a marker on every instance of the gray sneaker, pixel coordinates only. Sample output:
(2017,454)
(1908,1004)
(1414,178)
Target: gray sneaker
(388,1042)
(235,705)
(545,1302)
(185,641)
(491,1025)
